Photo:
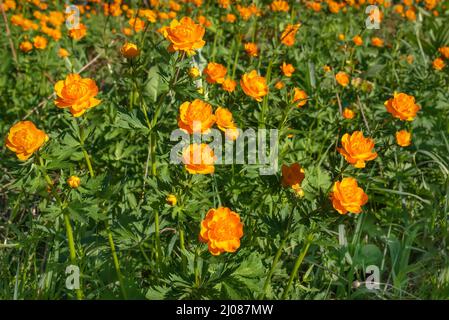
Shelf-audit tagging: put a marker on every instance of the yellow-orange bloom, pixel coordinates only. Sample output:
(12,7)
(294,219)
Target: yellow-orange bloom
(287,69)
(78,33)
(194,72)
(279,5)
(24,139)
(229,85)
(444,51)
(402,106)
(26,46)
(199,159)
(196,116)
(129,50)
(224,119)
(377,42)
(347,196)
(40,42)
(171,200)
(74,182)
(438,64)
(251,49)
(357,149)
(348,113)
(358,41)
(184,35)
(137,24)
(77,94)
(292,176)
(215,72)
(221,229)
(301,96)
(63,53)
(403,138)
(254,85)
(289,34)
(279,85)
(342,78)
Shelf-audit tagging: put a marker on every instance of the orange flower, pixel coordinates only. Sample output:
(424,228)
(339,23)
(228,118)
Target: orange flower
(194,72)
(326,68)
(348,113)
(279,85)
(342,78)
(438,64)
(279,5)
(403,138)
(402,106)
(221,229)
(196,116)
(40,42)
(78,33)
(26,46)
(301,96)
(129,50)
(292,176)
(348,196)
(289,34)
(287,69)
(254,85)
(410,14)
(229,85)
(215,72)
(377,42)
(341,37)
(24,139)
(76,93)
(444,51)
(184,35)
(230,18)
(63,53)
(358,41)
(224,119)
(136,24)
(357,149)
(74,182)
(251,49)
(199,159)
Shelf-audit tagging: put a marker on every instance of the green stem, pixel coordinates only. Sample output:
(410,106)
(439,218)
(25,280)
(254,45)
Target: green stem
(116,262)
(157,238)
(296,267)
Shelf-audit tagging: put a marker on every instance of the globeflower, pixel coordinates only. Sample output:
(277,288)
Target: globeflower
(129,50)
(196,116)
(229,85)
(74,182)
(199,159)
(287,69)
(26,46)
(78,33)
(289,34)
(24,139)
(292,176)
(403,138)
(215,72)
(222,230)
(357,149)
(402,106)
(251,49)
(300,96)
(40,42)
(347,196)
(77,94)
(279,5)
(254,85)
(438,64)
(342,78)
(185,35)
(224,119)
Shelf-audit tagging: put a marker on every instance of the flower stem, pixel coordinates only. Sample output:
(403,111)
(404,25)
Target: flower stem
(116,262)
(296,267)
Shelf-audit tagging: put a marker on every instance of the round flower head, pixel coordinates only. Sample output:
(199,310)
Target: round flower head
(357,149)
(342,78)
(196,116)
(74,182)
(287,69)
(215,72)
(221,229)
(347,196)
(199,159)
(403,138)
(77,94)
(402,106)
(300,96)
(24,139)
(254,85)
(185,35)
(129,50)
